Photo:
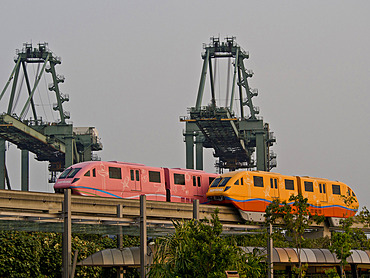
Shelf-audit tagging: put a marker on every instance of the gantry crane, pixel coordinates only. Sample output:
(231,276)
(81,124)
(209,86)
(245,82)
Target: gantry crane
(234,138)
(57,142)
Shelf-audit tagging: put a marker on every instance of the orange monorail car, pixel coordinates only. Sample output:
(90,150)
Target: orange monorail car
(252,191)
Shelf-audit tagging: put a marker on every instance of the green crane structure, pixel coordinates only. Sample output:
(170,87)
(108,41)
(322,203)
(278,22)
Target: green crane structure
(57,142)
(234,139)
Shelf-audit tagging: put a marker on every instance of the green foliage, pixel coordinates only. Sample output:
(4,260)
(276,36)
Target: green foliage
(322,242)
(26,254)
(279,239)
(364,217)
(300,271)
(254,268)
(341,246)
(19,255)
(341,242)
(258,239)
(296,219)
(359,240)
(332,273)
(197,249)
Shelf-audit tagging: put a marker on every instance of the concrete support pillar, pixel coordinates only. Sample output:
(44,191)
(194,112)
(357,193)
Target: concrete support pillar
(120,239)
(67,234)
(270,247)
(119,235)
(196,209)
(25,171)
(143,238)
(2,163)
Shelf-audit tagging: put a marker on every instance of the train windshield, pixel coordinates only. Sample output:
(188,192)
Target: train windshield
(215,182)
(224,182)
(65,173)
(73,173)
(69,173)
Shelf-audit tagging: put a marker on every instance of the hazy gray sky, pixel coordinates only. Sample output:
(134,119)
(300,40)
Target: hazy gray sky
(133,67)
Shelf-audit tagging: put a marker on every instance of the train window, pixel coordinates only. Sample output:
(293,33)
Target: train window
(115,173)
(241,181)
(275,183)
(324,188)
(215,182)
(353,194)
(199,183)
(87,174)
(94,172)
(179,179)
(258,181)
(194,181)
(236,183)
(320,187)
(210,180)
(137,175)
(224,182)
(132,175)
(65,173)
(154,176)
(308,186)
(73,172)
(336,189)
(289,184)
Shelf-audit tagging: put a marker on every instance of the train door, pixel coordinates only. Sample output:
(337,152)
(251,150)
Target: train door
(135,178)
(274,188)
(323,194)
(197,186)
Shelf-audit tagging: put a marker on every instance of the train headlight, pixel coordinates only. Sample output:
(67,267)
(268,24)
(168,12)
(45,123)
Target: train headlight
(219,198)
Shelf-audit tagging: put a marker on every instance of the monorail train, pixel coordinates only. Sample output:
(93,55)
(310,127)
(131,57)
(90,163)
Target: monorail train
(252,191)
(130,180)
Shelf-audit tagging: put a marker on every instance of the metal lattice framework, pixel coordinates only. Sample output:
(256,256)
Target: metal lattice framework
(42,56)
(233,138)
(57,142)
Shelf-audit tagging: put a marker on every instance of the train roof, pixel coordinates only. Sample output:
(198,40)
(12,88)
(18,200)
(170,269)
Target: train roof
(308,177)
(190,170)
(244,171)
(127,163)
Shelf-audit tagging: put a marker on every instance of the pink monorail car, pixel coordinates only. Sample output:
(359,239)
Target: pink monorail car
(130,180)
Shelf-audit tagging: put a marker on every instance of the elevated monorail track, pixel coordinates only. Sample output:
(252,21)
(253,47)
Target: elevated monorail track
(34,211)
(44,212)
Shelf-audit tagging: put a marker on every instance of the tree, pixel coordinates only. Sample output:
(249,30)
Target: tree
(364,217)
(296,219)
(341,243)
(197,249)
